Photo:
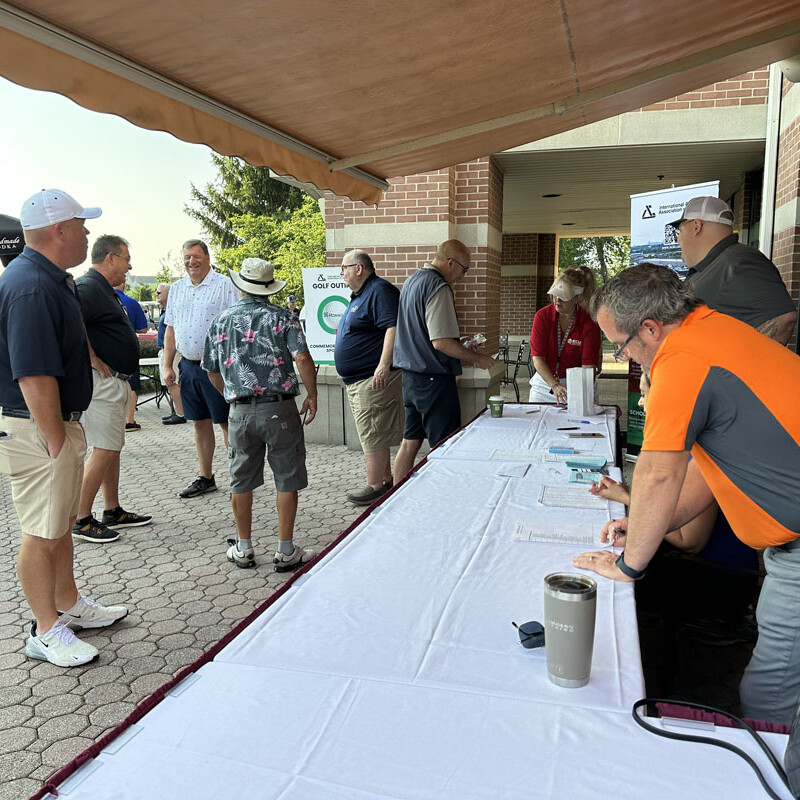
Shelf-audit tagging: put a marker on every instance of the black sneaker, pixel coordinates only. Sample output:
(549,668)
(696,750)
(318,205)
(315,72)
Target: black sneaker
(132,426)
(198,486)
(90,530)
(119,518)
(173,419)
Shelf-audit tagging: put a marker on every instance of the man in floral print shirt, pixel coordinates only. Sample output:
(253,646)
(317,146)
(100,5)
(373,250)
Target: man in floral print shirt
(249,355)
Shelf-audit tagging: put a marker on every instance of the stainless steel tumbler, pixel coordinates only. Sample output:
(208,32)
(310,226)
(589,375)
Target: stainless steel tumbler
(569,611)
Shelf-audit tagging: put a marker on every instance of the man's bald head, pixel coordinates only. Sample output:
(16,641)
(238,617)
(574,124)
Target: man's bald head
(452,259)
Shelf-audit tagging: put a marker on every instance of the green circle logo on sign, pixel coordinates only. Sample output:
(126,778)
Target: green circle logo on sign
(330,313)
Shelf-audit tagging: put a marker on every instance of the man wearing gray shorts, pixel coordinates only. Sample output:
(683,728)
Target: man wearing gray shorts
(248,356)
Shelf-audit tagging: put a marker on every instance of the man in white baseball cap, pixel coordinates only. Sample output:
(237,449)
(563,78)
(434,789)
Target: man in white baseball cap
(51,206)
(45,386)
(732,278)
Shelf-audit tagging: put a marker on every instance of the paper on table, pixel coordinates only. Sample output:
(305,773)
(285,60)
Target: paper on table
(586,445)
(513,470)
(529,456)
(571,497)
(586,534)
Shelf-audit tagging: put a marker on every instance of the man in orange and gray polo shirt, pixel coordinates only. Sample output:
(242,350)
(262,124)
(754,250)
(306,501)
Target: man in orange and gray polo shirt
(710,398)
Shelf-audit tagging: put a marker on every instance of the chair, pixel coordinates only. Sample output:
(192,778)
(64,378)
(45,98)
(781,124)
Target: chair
(502,348)
(527,359)
(506,380)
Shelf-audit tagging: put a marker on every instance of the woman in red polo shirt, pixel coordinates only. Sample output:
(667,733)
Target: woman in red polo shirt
(564,336)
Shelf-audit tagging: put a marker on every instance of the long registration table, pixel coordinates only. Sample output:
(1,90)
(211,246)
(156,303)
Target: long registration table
(390,669)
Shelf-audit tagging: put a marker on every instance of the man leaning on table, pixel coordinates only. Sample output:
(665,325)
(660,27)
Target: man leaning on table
(248,353)
(45,385)
(428,350)
(709,398)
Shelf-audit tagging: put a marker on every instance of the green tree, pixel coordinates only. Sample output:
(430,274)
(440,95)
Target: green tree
(290,244)
(171,268)
(240,190)
(604,255)
(141,291)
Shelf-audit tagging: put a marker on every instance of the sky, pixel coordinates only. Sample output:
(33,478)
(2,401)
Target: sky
(141,179)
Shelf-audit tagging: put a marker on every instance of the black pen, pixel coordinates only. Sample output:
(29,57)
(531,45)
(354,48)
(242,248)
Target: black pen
(567,429)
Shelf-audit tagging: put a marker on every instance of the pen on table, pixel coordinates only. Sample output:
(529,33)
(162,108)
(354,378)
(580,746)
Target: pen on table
(567,429)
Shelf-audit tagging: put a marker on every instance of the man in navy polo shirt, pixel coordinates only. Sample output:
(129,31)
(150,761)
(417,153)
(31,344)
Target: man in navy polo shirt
(45,385)
(363,355)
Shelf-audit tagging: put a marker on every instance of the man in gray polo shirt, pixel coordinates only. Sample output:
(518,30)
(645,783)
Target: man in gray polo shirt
(248,354)
(428,350)
(732,278)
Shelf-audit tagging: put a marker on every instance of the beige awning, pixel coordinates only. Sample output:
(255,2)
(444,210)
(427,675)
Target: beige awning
(347,94)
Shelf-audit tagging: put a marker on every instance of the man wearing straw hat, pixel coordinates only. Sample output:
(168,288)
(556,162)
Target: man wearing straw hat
(248,354)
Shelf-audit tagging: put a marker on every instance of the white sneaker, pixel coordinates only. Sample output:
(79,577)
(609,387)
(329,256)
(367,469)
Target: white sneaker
(242,558)
(60,646)
(297,559)
(88,614)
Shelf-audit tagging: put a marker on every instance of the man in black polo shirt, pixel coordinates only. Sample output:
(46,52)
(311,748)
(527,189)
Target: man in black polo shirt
(45,384)
(730,277)
(114,353)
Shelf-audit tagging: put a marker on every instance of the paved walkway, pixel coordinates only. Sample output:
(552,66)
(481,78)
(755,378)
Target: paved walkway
(182,592)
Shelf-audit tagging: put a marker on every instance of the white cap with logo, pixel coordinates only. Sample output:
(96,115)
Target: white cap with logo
(51,206)
(708,209)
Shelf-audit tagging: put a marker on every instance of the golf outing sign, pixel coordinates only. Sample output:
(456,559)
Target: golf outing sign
(326,296)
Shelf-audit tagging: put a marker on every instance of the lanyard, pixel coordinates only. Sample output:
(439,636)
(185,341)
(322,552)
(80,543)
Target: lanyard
(563,340)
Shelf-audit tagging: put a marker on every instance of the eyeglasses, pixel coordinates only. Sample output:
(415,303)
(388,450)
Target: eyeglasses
(119,255)
(618,354)
(679,225)
(347,266)
(465,269)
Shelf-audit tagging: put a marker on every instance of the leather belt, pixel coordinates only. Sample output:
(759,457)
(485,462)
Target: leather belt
(121,375)
(264,398)
(23,413)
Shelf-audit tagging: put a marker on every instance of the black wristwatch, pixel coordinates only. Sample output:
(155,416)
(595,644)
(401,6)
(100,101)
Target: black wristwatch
(633,574)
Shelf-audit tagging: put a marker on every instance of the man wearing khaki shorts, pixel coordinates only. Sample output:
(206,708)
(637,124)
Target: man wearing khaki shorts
(45,385)
(114,353)
(363,355)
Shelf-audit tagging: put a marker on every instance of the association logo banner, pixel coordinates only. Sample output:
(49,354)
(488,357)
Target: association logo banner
(327,296)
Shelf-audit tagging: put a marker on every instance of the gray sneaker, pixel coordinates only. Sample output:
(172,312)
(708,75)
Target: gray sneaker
(59,646)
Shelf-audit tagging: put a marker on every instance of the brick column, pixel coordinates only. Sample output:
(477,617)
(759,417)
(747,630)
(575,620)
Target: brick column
(418,213)
(786,238)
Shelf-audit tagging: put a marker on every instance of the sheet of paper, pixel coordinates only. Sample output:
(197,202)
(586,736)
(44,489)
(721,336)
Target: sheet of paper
(581,446)
(580,533)
(529,456)
(515,469)
(571,496)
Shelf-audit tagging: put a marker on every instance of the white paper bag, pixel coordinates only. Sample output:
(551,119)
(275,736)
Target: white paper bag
(580,391)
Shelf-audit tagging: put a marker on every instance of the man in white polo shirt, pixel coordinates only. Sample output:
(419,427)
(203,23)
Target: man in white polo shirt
(193,303)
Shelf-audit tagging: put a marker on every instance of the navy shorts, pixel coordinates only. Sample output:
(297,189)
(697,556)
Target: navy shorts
(199,397)
(432,408)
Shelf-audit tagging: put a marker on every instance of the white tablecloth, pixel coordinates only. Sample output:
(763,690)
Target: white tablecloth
(391,670)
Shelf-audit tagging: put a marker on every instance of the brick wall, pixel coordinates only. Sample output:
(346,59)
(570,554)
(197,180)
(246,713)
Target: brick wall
(743,90)
(522,296)
(788,179)
(473,187)
(416,198)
